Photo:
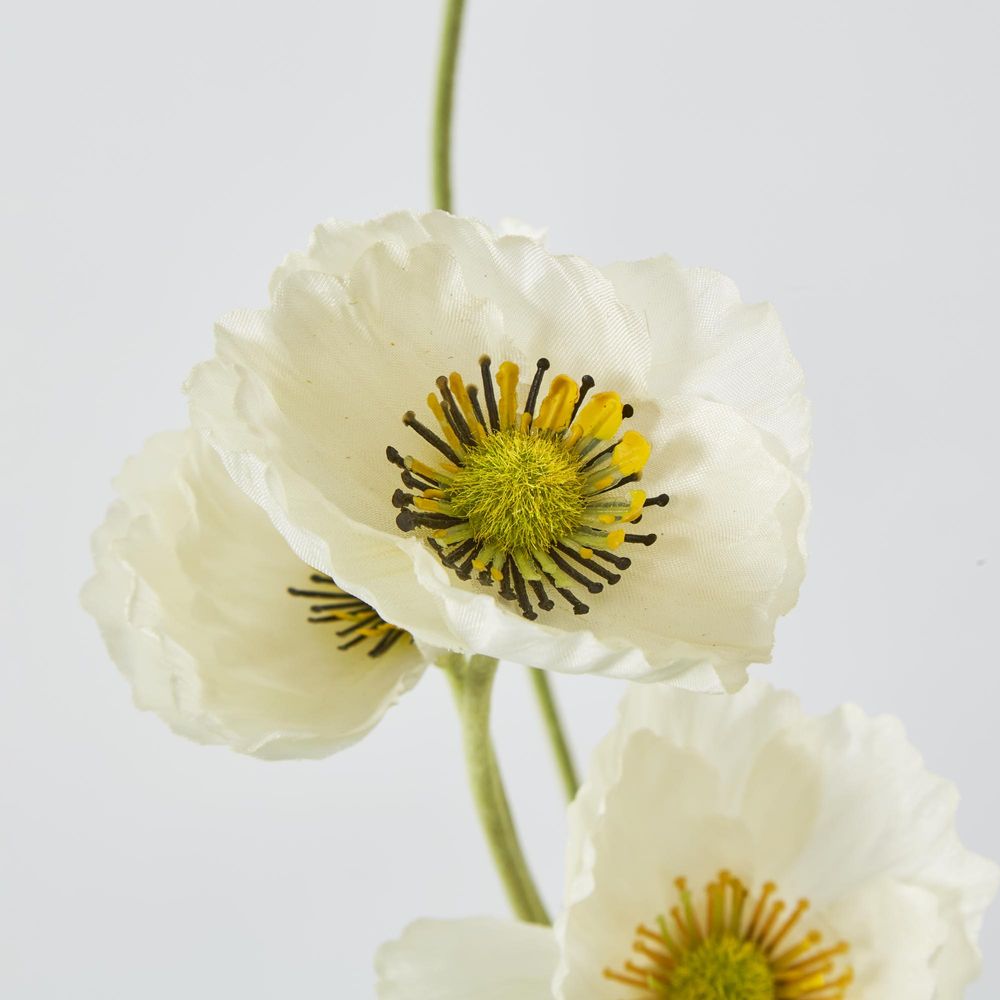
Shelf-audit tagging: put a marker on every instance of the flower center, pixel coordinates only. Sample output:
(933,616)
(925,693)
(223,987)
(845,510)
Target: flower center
(519,491)
(525,499)
(738,948)
(360,620)
(723,969)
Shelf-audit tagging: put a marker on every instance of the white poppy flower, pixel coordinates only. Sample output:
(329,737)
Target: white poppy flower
(221,629)
(518,503)
(735,841)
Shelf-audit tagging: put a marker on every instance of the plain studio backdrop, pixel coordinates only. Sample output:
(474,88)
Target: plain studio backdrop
(837,159)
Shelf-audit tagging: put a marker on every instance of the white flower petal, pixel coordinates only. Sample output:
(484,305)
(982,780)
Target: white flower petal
(719,347)
(510,226)
(894,929)
(475,959)
(191,595)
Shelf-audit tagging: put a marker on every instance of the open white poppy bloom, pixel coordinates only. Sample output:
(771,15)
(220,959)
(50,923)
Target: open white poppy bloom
(221,629)
(734,849)
(532,408)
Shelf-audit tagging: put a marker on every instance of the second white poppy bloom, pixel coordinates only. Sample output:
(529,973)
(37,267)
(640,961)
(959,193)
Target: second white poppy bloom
(532,408)
(221,629)
(734,848)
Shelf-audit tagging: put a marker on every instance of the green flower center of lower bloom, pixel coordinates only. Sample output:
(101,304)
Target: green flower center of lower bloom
(520,491)
(723,969)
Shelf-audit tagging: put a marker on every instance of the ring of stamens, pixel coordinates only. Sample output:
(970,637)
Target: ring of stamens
(524,499)
(360,620)
(737,948)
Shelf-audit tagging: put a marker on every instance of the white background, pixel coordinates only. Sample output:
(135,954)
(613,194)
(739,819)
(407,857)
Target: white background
(838,159)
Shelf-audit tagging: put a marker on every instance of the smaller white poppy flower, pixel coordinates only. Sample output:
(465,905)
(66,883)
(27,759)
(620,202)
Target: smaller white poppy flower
(735,848)
(221,629)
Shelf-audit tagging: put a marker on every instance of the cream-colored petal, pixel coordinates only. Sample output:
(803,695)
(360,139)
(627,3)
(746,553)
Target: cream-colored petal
(882,814)
(893,930)
(707,342)
(474,959)
(336,245)
(191,593)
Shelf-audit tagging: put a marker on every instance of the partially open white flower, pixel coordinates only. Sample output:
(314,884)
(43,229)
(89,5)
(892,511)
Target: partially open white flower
(513,533)
(735,848)
(221,629)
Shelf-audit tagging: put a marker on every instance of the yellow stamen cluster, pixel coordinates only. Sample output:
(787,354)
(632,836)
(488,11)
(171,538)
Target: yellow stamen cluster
(738,948)
(526,496)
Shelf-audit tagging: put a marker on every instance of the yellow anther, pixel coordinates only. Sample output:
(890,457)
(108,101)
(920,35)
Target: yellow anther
(425,471)
(600,417)
(616,538)
(634,510)
(631,454)
(557,406)
(461,394)
(446,429)
(507,376)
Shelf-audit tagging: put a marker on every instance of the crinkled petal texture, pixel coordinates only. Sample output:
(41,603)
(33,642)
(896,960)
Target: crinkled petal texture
(838,810)
(191,594)
(302,399)
(476,959)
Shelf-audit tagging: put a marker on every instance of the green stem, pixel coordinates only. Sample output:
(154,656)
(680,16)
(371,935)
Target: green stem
(444,102)
(472,684)
(554,728)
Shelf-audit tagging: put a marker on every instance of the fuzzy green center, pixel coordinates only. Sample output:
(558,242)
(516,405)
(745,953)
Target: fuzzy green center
(519,491)
(722,969)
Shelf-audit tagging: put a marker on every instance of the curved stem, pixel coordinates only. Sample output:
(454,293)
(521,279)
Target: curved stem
(472,684)
(554,728)
(444,101)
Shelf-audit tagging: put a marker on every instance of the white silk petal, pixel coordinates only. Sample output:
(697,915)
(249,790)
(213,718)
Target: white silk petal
(719,347)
